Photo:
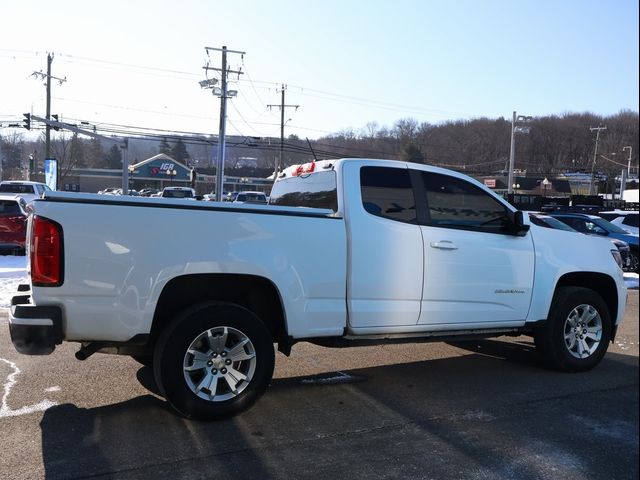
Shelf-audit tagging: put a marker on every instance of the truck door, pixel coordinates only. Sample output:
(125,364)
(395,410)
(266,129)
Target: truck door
(475,271)
(385,251)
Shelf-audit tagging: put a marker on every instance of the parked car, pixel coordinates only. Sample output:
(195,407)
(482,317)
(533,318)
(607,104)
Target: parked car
(595,225)
(13,222)
(178,192)
(27,190)
(108,191)
(548,221)
(147,192)
(251,197)
(627,220)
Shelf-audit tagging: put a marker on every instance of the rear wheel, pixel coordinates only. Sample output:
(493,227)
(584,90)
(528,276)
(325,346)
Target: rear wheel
(576,335)
(214,361)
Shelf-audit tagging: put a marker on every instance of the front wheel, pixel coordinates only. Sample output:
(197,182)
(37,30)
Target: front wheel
(576,335)
(214,361)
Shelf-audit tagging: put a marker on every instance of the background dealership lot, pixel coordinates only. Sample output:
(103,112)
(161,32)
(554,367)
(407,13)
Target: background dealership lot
(467,410)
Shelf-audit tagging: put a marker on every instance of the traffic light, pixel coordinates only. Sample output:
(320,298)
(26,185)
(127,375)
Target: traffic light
(27,121)
(55,119)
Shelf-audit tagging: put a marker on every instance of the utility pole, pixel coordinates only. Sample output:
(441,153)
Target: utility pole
(223,93)
(47,149)
(595,155)
(48,77)
(282,106)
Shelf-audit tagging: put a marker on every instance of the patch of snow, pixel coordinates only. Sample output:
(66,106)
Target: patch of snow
(13,271)
(5,410)
(631,279)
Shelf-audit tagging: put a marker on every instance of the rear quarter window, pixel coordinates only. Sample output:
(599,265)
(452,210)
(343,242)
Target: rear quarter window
(387,193)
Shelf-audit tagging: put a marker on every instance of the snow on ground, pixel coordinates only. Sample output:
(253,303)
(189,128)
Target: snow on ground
(631,279)
(13,272)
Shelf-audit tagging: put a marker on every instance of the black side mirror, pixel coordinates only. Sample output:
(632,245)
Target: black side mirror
(519,227)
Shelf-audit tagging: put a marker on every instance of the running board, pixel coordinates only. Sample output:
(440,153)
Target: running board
(413,337)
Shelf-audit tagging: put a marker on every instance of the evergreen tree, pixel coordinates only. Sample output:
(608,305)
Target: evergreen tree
(179,152)
(78,152)
(113,158)
(413,154)
(165,147)
(94,154)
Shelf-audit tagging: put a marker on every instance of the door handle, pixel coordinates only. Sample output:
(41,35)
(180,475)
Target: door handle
(444,245)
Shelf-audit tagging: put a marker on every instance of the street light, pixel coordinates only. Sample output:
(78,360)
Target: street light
(545,183)
(595,155)
(629,160)
(171,172)
(516,127)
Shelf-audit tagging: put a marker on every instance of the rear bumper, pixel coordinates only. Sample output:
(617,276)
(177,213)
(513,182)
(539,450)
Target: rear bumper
(34,330)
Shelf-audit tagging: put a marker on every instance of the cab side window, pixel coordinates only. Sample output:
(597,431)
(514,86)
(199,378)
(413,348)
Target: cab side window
(455,203)
(387,193)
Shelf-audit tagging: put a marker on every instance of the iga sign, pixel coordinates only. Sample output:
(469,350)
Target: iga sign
(164,167)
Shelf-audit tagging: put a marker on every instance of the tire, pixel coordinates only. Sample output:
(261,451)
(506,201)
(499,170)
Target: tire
(213,361)
(576,335)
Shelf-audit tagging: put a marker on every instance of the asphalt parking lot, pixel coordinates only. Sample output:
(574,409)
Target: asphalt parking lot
(478,410)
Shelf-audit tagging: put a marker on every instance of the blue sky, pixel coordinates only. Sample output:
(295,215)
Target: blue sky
(346,63)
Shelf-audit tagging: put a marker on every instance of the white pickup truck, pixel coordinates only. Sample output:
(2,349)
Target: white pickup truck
(348,252)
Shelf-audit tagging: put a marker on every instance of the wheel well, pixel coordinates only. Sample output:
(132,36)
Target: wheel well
(603,284)
(256,294)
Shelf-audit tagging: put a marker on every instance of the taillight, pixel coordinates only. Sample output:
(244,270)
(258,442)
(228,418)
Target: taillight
(46,253)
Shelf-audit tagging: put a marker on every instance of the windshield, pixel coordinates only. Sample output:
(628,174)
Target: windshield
(608,226)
